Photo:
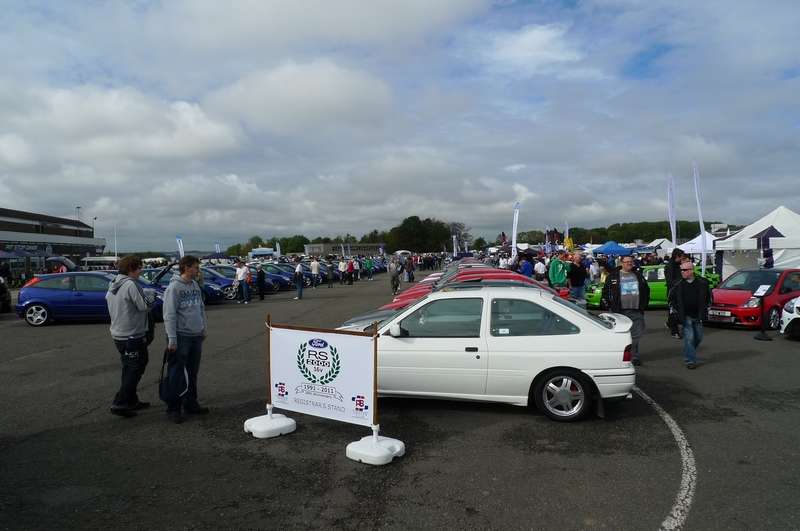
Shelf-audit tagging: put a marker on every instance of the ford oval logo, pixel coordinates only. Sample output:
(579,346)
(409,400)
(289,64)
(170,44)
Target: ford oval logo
(318,343)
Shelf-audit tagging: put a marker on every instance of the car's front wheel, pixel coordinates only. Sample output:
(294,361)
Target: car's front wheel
(37,315)
(774,319)
(563,395)
(276,287)
(230,293)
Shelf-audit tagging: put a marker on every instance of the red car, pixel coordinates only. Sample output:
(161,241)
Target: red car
(471,275)
(733,301)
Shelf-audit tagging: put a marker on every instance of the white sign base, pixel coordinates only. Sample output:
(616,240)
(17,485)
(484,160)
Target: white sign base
(269,425)
(375,450)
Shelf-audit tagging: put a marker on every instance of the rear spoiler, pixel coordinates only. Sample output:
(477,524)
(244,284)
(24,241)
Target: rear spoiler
(620,323)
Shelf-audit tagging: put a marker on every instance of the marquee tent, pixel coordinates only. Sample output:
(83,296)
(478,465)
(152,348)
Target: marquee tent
(694,246)
(778,231)
(612,248)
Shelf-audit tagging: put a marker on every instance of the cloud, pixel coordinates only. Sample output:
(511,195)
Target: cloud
(305,99)
(537,50)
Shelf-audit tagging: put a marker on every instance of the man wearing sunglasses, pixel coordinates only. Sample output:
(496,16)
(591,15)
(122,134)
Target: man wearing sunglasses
(627,292)
(690,299)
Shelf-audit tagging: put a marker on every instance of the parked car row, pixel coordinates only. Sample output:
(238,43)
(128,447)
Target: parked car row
(81,295)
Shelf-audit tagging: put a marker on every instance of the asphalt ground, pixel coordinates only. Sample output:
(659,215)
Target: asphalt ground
(67,463)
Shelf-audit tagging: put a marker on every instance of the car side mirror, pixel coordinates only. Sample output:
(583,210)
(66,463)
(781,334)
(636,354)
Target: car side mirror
(396,330)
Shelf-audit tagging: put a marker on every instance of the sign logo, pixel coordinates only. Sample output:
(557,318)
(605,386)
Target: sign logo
(317,365)
(282,391)
(359,403)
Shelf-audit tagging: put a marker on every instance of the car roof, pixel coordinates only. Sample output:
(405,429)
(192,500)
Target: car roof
(493,291)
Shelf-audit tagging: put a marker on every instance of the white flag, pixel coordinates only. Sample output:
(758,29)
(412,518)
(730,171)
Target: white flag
(180,245)
(217,248)
(566,230)
(671,213)
(514,231)
(455,246)
(696,175)
(277,250)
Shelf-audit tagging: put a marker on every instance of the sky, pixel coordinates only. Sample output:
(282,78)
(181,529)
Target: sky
(222,120)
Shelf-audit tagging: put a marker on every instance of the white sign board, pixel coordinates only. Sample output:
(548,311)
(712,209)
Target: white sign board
(762,290)
(326,374)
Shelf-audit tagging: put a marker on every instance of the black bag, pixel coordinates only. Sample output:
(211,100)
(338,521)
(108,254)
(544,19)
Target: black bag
(151,329)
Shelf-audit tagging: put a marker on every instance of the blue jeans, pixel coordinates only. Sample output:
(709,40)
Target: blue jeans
(692,336)
(244,291)
(577,292)
(299,285)
(182,368)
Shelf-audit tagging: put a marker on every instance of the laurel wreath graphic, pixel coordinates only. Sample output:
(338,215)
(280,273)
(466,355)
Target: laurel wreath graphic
(326,378)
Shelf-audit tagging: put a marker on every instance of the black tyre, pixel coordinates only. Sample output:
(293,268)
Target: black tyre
(276,287)
(230,293)
(563,395)
(37,315)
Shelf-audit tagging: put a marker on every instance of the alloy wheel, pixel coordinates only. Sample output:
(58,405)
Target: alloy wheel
(36,315)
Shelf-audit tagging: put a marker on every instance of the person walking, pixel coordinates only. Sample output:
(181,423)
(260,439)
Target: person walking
(330,275)
(314,273)
(357,268)
(557,270)
(395,270)
(342,271)
(672,275)
(690,298)
(525,267)
(369,265)
(261,282)
(128,306)
(576,278)
(627,292)
(298,279)
(185,323)
(351,268)
(242,272)
(539,270)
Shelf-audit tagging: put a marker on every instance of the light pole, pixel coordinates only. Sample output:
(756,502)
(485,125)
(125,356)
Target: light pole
(93,220)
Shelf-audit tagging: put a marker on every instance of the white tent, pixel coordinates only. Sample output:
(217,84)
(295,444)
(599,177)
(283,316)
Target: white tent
(694,246)
(661,246)
(779,230)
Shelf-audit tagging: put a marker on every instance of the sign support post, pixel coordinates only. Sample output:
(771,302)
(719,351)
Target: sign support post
(374,449)
(269,425)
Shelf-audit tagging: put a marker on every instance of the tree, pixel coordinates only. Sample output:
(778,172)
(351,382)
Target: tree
(255,241)
(479,243)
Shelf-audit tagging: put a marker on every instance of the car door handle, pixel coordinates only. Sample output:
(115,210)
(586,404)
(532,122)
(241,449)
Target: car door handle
(471,349)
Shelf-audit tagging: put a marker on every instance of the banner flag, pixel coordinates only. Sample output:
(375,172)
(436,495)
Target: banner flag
(566,230)
(217,248)
(455,246)
(514,232)
(342,246)
(324,373)
(180,246)
(671,212)
(696,175)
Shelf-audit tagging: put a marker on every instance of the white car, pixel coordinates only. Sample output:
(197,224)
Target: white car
(514,345)
(790,319)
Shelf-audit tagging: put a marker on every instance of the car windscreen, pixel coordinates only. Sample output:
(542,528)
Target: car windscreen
(751,280)
(582,311)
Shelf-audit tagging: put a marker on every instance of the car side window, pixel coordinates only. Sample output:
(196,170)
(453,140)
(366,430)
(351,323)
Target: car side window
(90,283)
(792,282)
(514,317)
(64,283)
(446,318)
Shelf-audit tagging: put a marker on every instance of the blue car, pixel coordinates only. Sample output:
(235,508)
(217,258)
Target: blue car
(211,292)
(224,283)
(72,296)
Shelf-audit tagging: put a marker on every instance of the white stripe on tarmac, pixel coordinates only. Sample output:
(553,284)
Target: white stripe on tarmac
(683,500)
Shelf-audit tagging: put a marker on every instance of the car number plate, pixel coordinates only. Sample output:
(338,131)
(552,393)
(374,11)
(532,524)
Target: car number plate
(719,313)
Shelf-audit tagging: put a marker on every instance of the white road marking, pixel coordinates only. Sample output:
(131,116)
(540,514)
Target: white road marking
(683,500)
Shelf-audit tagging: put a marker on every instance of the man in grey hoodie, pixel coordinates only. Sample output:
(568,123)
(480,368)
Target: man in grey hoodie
(185,323)
(128,306)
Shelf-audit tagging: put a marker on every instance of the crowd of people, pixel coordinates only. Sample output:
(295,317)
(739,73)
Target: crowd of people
(625,290)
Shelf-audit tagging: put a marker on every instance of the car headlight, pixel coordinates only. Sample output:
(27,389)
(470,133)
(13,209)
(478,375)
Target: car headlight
(789,307)
(214,288)
(752,303)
